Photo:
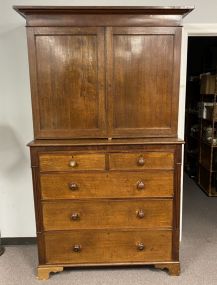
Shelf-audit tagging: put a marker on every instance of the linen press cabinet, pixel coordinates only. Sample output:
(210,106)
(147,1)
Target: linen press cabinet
(105,157)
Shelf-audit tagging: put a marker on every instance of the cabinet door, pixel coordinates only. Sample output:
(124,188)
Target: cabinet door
(143,81)
(67,81)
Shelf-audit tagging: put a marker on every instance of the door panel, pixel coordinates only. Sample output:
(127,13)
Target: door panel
(143,81)
(69,71)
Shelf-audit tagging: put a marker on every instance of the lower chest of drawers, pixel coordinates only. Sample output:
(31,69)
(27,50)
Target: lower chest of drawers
(105,206)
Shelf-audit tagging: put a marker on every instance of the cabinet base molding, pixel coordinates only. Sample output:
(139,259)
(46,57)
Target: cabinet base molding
(43,272)
(173,268)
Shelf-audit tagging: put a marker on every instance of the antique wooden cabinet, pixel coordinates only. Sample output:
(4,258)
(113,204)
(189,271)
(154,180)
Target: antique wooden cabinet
(105,158)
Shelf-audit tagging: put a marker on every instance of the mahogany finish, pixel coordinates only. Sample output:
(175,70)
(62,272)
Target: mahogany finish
(106,160)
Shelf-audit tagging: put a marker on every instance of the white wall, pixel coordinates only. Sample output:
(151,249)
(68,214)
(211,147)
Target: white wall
(16,199)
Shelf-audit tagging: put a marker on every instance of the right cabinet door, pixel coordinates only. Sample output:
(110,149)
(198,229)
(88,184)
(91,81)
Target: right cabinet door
(143,66)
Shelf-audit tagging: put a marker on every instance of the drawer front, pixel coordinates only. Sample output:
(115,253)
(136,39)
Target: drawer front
(85,246)
(143,160)
(107,185)
(72,162)
(98,214)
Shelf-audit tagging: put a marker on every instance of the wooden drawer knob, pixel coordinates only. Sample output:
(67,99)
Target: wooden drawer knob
(140,185)
(140,246)
(141,161)
(73,186)
(77,248)
(75,216)
(73,163)
(140,214)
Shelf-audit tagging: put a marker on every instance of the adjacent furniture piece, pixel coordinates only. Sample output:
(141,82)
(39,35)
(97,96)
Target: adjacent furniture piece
(207,172)
(106,159)
(192,127)
(201,132)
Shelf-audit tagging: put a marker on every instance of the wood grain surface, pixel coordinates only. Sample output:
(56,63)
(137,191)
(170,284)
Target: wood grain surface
(107,185)
(106,160)
(108,246)
(68,81)
(149,160)
(107,214)
(61,162)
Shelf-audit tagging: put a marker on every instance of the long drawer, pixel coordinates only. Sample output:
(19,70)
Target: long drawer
(98,214)
(71,162)
(102,246)
(107,185)
(142,160)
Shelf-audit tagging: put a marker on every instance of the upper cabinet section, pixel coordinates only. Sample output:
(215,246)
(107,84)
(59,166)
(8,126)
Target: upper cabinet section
(67,81)
(143,76)
(99,72)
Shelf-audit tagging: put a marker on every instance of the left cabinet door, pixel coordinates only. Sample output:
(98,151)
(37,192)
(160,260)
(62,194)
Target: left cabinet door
(67,81)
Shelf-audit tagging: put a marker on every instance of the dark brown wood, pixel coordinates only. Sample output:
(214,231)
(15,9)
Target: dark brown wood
(99,142)
(102,16)
(151,80)
(67,79)
(80,85)
(168,10)
(106,159)
(176,204)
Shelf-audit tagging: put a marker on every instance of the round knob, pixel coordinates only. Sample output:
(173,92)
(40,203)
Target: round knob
(141,161)
(72,163)
(73,186)
(140,185)
(140,214)
(140,246)
(75,216)
(77,248)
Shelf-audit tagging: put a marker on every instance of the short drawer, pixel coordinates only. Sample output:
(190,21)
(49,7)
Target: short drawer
(98,214)
(143,160)
(101,246)
(157,183)
(72,162)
